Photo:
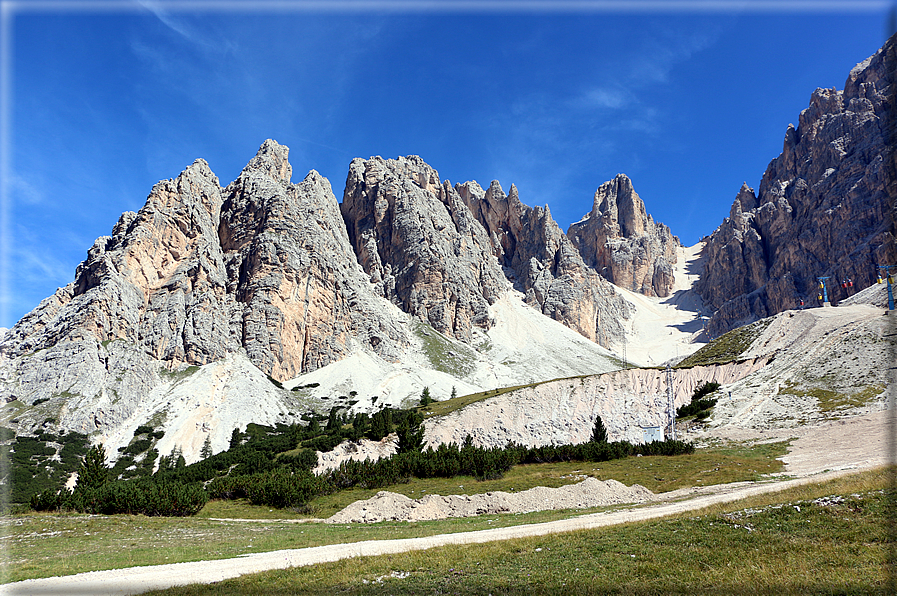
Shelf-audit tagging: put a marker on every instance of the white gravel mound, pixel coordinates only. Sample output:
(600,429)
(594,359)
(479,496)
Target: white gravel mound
(387,506)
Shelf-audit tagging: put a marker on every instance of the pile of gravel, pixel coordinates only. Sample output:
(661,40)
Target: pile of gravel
(387,506)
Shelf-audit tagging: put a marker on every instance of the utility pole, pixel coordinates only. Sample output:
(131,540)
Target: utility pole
(671,402)
(824,295)
(887,269)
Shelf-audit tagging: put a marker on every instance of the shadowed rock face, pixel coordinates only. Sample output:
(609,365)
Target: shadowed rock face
(201,272)
(542,263)
(825,206)
(621,241)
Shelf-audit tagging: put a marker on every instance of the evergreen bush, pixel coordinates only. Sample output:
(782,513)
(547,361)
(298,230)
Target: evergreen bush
(411,434)
(93,473)
(599,433)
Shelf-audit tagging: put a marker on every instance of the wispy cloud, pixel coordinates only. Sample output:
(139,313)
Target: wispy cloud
(664,51)
(176,17)
(612,98)
(176,25)
(23,192)
(36,266)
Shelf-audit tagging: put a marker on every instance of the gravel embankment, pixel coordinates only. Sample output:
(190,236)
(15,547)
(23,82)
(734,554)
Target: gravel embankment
(387,506)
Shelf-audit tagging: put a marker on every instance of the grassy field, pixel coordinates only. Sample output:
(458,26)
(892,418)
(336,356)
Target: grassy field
(727,347)
(447,406)
(44,545)
(827,538)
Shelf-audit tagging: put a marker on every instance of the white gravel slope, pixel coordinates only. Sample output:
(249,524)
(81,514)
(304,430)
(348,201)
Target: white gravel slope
(670,328)
(523,346)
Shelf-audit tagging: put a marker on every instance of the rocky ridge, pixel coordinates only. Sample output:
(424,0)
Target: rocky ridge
(420,245)
(622,242)
(543,264)
(204,271)
(265,272)
(825,206)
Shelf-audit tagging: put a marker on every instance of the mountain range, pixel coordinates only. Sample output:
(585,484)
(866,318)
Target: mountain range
(262,300)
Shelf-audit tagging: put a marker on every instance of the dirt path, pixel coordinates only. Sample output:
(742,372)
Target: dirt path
(842,447)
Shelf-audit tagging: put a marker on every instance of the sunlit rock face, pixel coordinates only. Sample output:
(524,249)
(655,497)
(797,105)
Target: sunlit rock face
(420,245)
(304,300)
(621,241)
(202,271)
(825,206)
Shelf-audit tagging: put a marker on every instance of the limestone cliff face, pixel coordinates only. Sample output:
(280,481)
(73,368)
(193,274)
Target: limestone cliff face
(305,301)
(420,245)
(623,243)
(155,282)
(541,261)
(203,271)
(825,206)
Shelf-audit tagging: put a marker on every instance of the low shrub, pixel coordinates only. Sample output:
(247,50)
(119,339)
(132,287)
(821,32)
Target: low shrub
(144,496)
(139,446)
(274,488)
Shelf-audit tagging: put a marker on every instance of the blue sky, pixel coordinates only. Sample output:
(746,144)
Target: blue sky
(689,99)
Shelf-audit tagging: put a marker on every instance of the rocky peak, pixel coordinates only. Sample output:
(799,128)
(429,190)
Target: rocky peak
(621,209)
(420,245)
(621,241)
(745,201)
(824,206)
(271,160)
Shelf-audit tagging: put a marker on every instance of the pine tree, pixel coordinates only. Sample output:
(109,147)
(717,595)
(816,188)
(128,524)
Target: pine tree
(93,472)
(359,425)
(381,424)
(599,433)
(411,434)
(235,438)
(425,399)
(206,448)
(174,461)
(454,393)
(333,421)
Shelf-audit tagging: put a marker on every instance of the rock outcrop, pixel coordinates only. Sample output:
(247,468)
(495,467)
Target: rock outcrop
(622,242)
(420,245)
(542,263)
(825,206)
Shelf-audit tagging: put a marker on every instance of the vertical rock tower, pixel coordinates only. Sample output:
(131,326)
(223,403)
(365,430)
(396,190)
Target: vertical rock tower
(623,243)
